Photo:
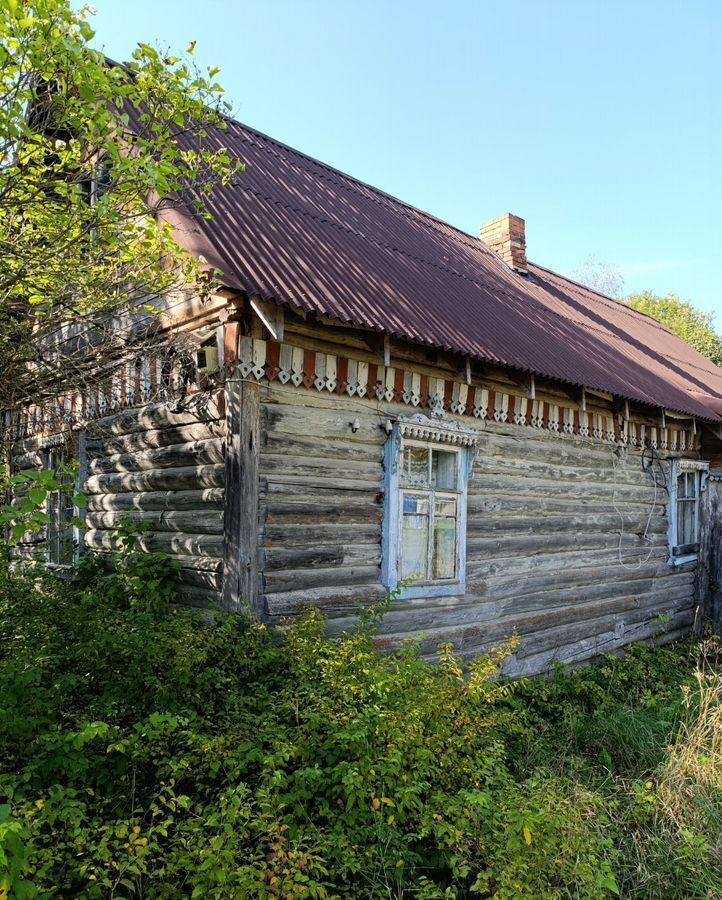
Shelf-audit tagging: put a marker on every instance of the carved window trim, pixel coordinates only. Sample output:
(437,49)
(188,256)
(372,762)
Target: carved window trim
(415,431)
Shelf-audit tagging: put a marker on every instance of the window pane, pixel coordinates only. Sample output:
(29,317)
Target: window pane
(414,536)
(416,465)
(443,470)
(685,522)
(687,486)
(67,535)
(444,559)
(60,510)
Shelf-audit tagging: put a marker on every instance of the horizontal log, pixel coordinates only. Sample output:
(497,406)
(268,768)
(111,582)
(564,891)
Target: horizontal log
(541,487)
(333,422)
(197,453)
(171,543)
(318,555)
(309,579)
(584,648)
(307,493)
(198,578)
(309,480)
(531,468)
(200,563)
(309,446)
(406,616)
(528,545)
(195,521)
(153,440)
(184,478)
(331,600)
(313,531)
(509,503)
(634,523)
(510,586)
(545,447)
(180,501)
(199,597)
(556,562)
(310,514)
(28,460)
(550,629)
(309,468)
(197,408)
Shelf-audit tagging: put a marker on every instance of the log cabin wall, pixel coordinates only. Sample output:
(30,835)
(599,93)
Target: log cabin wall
(709,574)
(543,547)
(290,509)
(545,509)
(164,467)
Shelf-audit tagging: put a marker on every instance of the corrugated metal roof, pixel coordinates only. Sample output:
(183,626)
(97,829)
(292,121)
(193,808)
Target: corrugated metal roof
(305,235)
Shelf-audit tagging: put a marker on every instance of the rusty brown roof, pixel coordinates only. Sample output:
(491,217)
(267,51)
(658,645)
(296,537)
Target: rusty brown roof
(309,237)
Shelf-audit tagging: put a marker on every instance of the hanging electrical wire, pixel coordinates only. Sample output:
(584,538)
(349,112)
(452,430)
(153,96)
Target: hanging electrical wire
(652,465)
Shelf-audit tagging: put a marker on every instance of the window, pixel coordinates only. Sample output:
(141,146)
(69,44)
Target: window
(427,470)
(98,184)
(60,510)
(686,484)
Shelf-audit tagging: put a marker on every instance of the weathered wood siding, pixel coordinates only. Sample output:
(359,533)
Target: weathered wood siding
(165,468)
(709,575)
(543,547)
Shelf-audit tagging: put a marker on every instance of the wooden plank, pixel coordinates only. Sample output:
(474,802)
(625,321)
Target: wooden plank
(279,512)
(592,523)
(332,600)
(530,545)
(551,630)
(308,446)
(319,555)
(197,453)
(172,543)
(184,478)
(199,407)
(197,521)
(179,501)
(153,439)
(310,579)
(406,617)
(310,468)
(240,588)
(294,534)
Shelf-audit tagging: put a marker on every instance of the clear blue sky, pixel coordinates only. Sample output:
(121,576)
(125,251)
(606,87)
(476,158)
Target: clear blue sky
(598,121)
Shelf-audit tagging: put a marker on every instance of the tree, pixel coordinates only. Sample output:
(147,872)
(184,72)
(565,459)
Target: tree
(94,156)
(600,276)
(691,324)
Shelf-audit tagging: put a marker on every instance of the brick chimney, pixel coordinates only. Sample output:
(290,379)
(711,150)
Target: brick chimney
(506,236)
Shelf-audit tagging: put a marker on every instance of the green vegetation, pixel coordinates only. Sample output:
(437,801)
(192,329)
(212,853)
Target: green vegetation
(147,753)
(95,158)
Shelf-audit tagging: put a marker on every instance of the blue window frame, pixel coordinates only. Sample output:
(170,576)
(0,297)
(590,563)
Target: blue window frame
(687,479)
(428,465)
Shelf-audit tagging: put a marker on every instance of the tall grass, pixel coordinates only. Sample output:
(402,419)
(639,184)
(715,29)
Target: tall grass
(671,824)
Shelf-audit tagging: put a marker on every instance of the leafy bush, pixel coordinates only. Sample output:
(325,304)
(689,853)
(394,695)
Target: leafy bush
(146,753)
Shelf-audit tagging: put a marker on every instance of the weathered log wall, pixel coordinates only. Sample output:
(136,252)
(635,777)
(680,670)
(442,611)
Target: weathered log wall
(544,556)
(709,573)
(164,467)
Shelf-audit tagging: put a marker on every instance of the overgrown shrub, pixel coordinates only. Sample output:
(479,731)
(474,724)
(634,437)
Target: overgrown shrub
(146,753)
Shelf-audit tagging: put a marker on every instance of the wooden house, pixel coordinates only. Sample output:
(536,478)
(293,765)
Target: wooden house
(382,400)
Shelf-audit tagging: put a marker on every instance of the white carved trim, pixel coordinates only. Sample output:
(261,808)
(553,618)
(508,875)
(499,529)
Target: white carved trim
(422,428)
